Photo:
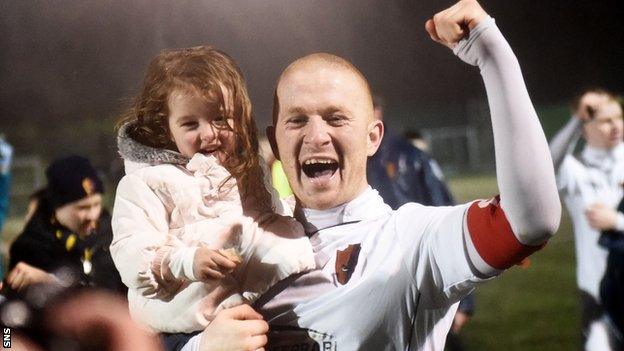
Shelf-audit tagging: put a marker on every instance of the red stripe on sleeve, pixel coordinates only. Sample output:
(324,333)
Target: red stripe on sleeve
(492,236)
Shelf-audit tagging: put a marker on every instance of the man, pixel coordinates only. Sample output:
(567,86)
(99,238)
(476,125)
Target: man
(69,232)
(591,186)
(391,280)
(403,173)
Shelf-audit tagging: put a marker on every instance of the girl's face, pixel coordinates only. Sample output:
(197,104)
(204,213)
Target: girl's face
(200,125)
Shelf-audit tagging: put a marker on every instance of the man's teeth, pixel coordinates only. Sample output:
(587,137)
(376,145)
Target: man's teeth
(315,161)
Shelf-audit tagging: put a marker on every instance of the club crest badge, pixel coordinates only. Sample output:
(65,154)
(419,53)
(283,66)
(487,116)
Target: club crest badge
(346,260)
(88,185)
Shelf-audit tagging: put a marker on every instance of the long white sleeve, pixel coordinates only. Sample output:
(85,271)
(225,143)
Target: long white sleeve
(564,142)
(524,168)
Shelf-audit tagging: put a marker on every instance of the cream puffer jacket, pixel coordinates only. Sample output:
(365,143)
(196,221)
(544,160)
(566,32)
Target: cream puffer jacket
(166,206)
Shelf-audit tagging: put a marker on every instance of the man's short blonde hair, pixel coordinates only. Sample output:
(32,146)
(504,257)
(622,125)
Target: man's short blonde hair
(321,59)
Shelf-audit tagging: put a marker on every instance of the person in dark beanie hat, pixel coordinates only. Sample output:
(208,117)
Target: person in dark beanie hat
(72,178)
(69,232)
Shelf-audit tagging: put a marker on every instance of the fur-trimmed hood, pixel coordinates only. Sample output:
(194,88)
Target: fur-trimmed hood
(133,152)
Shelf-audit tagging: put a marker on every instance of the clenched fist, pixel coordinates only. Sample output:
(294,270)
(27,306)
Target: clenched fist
(448,27)
(589,104)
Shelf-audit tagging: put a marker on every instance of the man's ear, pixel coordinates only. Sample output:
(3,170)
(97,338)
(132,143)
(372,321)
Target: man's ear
(375,134)
(270,132)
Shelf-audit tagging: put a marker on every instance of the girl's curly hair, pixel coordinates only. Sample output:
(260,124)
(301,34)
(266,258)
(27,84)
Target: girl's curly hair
(210,73)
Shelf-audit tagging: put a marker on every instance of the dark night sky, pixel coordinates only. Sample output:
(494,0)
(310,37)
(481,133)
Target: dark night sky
(63,61)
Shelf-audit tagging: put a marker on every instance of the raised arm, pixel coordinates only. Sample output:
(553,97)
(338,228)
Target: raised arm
(528,194)
(524,168)
(564,142)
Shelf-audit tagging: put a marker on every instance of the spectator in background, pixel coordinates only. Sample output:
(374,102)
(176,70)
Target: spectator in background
(6,156)
(402,171)
(415,137)
(591,186)
(612,283)
(280,182)
(278,177)
(68,232)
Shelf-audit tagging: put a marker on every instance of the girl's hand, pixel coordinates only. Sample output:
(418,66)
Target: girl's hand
(210,264)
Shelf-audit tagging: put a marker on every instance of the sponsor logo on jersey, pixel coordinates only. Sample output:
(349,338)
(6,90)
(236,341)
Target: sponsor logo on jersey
(299,339)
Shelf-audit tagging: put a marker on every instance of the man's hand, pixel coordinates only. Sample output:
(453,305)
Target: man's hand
(235,329)
(24,275)
(589,105)
(210,264)
(600,217)
(448,27)
(459,321)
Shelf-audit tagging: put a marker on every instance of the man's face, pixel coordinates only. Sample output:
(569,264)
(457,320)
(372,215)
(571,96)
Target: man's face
(80,216)
(324,133)
(604,131)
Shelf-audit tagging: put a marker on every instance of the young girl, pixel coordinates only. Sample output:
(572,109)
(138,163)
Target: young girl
(195,227)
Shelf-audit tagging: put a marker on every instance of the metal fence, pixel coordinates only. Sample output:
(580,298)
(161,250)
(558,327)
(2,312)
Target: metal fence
(27,176)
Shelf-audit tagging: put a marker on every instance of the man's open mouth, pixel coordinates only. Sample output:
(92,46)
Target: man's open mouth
(319,168)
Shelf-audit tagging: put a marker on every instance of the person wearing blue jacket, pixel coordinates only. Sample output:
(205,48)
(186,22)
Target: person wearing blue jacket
(402,173)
